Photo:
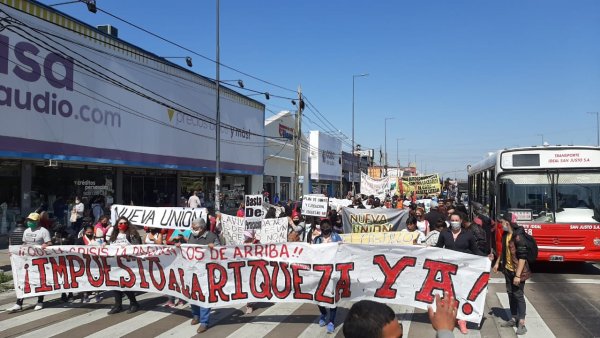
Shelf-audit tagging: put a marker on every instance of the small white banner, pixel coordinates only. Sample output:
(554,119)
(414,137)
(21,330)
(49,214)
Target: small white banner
(254,211)
(167,218)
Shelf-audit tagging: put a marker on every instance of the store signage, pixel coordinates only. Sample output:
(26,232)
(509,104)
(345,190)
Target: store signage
(286,132)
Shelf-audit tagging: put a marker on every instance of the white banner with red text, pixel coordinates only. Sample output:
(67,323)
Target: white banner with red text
(288,272)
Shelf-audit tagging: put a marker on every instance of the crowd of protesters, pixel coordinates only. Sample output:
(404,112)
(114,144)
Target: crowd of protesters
(442,224)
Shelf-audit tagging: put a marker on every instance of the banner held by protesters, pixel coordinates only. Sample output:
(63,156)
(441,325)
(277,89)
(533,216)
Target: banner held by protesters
(371,220)
(272,230)
(313,205)
(287,272)
(155,217)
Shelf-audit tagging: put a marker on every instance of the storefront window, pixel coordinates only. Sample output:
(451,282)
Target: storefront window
(284,190)
(10,192)
(150,188)
(233,189)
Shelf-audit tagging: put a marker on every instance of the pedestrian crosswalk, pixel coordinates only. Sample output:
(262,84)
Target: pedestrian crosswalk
(59,319)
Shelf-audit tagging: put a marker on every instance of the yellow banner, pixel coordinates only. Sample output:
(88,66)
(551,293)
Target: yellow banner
(421,185)
(394,237)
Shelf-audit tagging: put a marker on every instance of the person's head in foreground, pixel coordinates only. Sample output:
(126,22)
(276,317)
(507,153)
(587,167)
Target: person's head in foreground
(369,319)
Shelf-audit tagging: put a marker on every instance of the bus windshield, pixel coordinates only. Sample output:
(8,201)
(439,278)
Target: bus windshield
(551,197)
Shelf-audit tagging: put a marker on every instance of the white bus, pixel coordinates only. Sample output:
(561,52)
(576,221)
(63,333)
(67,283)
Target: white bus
(553,190)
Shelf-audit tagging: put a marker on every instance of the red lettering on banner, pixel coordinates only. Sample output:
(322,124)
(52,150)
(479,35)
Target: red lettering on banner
(173,286)
(327,270)
(27,287)
(185,290)
(237,278)
(248,250)
(237,252)
(215,287)
(284,251)
(342,288)
(160,285)
(59,270)
(130,282)
(95,282)
(298,280)
(106,268)
(196,293)
(143,282)
(75,272)
(258,250)
(41,265)
(446,270)
(390,274)
(287,286)
(265,286)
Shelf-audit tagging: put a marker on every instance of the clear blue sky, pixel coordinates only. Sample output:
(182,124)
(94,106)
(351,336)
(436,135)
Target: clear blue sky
(461,78)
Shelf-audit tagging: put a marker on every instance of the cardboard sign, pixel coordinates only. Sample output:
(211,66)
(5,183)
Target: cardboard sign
(272,230)
(314,205)
(254,211)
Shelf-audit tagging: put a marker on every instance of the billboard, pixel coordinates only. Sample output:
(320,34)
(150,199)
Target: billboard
(325,157)
(71,93)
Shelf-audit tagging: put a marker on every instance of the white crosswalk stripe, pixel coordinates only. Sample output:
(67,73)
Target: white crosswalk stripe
(536,327)
(259,328)
(186,330)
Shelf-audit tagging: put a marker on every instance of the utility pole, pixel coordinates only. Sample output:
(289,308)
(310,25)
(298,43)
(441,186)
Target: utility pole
(218,124)
(298,147)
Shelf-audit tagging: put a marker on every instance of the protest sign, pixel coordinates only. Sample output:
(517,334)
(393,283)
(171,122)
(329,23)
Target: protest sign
(372,186)
(166,218)
(314,205)
(321,274)
(393,237)
(372,220)
(254,211)
(272,230)
(420,185)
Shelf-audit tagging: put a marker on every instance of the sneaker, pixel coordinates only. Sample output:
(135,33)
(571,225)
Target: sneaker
(195,320)
(98,299)
(133,308)
(70,299)
(180,302)
(330,328)
(115,309)
(510,323)
(86,299)
(322,321)
(14,308)
(462,326)
(170,304)
(521,330)
(38,306)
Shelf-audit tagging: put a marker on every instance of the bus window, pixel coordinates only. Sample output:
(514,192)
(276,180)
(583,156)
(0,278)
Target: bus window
(527,192)
(578,198)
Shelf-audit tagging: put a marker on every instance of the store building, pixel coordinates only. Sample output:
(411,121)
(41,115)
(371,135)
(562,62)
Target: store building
(325,164)
(279,157)
(108,121)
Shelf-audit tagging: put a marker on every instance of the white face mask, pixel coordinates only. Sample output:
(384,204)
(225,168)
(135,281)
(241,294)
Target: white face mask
(455,225)
(504,227)
(195,232)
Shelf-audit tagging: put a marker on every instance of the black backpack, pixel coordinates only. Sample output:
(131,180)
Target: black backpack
(532,247)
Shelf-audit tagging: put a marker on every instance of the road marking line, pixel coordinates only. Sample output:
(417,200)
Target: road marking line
(186,330)
(536,327)
(260,328)
(566,281)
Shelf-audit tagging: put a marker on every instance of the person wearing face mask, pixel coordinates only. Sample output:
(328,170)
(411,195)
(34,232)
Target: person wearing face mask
(512,261)
(201,236)
(127,235)
(458,239)
(103,230)
(296,227)
(33,235)
(327,236)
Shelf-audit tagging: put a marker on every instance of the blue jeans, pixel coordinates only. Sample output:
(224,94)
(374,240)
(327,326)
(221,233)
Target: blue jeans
(332,313)
(203,314)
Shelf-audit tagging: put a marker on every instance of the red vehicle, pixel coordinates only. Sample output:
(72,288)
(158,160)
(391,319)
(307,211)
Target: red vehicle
(553,190)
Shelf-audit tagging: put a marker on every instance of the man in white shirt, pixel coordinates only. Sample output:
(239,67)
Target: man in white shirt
(33,235)
(194,200)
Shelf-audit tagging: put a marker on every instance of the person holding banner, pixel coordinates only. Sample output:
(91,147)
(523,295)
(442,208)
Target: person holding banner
(103,230)
(201,236)
(127,235)
(33,235)
(250,238)
(296,227)
(422,223)
(327,236)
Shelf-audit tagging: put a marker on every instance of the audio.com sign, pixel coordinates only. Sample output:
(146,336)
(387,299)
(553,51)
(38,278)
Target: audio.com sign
(28,69)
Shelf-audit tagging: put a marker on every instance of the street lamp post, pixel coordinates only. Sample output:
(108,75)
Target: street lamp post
(542,135)
(397,152)
(385,163)
(218,123)
(353,78)
(597,127)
